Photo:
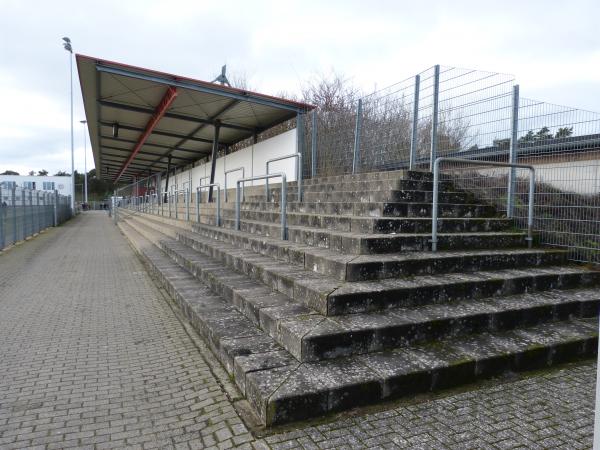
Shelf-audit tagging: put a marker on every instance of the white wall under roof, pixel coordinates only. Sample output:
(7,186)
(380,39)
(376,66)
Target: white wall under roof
(252,159)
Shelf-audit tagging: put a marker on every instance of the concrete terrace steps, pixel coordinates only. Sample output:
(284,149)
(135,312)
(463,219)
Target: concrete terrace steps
(374,225)
(365,243)
(298,391)
(373,267)
(377,209)
(311,337)
(282,389)
(368,209)
(329,296)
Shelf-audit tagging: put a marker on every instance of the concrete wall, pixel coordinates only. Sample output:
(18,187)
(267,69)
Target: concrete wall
(252,158)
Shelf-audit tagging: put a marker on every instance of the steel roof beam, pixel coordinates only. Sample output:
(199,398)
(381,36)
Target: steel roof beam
(183,117)
(156,132)
(139,163)
(149,144)
(245,96)
(159,112)
(118,149)
(134,165)
(213,118)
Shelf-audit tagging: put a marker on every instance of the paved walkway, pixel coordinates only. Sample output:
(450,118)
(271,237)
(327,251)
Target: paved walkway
(92,355)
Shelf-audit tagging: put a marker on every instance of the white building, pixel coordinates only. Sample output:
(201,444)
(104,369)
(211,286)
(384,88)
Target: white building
(36,183)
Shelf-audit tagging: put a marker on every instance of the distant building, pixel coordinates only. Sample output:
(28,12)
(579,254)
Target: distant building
(36,183)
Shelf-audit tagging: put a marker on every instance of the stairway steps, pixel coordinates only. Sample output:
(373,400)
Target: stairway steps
(293,392)
(380,266)
(355,243)
(329,296)
(373,225)
(353,309)
(361,209)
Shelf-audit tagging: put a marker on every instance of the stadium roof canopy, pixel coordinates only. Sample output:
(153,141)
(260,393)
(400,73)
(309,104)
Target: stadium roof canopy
(142,121)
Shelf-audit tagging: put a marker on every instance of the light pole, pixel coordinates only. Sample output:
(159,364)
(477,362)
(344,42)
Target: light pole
(67,46)
(84,159)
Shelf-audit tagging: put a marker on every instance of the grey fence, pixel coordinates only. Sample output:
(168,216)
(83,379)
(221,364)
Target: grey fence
(24,213)
(463,113)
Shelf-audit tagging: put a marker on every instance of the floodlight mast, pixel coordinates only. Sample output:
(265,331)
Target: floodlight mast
(67,46)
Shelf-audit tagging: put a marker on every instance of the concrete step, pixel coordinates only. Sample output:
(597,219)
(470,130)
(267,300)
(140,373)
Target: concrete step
(330,296)
(379,266)
(312,337)
(369,209)
(375,225)
(281,389)
(355,243)
(293,392)
(371,176)
(353,334)
(359,195)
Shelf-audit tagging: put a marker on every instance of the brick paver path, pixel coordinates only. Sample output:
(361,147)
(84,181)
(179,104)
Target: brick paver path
(92,355)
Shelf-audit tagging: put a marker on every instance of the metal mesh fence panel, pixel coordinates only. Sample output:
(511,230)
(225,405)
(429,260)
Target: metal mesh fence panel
(24,213)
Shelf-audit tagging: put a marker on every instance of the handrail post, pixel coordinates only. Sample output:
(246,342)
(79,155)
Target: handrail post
(298,157)
(198,193)
(198,204)
(218,205)
(225,177)
(434,208)
(187,204)
(415,123)
(284,208)
(237,205)
(283,200)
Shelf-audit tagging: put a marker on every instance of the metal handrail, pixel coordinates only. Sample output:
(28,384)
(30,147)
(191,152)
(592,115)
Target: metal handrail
(298,157)
(283,200)
(198,193)
(186,193)
(225,176)
(436,179)
(203,178)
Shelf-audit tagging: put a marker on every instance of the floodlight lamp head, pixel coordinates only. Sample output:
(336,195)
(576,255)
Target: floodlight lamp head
(83,121)
(67,40)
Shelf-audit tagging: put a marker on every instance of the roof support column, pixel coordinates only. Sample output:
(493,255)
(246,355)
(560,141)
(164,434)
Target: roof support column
(213,163)
(167,181)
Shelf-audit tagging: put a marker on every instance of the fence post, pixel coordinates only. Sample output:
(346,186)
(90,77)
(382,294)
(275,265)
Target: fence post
(414,134)
(514,148)
(55,208)
(37,207)
(25,218)
(14,205)
(2,214)
(313,146)
(434,116)
(356,158)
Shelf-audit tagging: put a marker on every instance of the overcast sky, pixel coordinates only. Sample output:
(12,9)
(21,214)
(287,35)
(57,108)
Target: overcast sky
(552,47)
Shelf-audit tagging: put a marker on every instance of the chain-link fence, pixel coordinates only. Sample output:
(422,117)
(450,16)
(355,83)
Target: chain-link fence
(24,213)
